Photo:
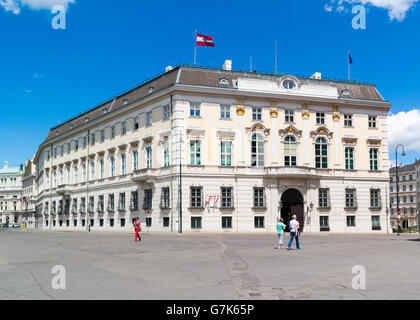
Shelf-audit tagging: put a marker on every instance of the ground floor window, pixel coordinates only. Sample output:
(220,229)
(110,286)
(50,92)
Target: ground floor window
(101,222)
(351,221)
(122,223)
(195,222)
(324,223)
(68,223)
(61,223)
(83,222)
(46,223)
(226,222)
(75,223)
(166,222)
(54,222)
(111,222)
(259,223)
(148,222)
(376,225)
(92,222)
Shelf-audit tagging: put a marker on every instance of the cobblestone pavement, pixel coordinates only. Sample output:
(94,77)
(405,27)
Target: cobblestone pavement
(201,266)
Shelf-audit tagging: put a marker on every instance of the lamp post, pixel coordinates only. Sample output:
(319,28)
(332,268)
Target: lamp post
(396,180)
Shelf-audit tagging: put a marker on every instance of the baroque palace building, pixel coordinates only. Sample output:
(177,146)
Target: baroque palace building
(246,148)
(10,194)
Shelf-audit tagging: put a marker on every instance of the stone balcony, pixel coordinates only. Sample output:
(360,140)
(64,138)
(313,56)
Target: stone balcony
(64,190)
(147,175)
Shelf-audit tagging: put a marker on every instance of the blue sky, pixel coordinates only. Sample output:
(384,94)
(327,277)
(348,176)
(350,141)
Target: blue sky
(48,76)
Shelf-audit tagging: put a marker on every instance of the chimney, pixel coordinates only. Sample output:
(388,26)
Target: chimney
(227,65)
(168,68)
(317,75)
(6,165)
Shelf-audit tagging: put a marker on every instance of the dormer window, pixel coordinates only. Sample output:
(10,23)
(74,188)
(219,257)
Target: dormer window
(86,120)
(71,126)
(289,84)
(223,81)
(151,89)
(58,132)
(105,110)
(126,101)
(345,92)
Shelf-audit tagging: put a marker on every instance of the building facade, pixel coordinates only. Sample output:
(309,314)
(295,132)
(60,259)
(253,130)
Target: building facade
(218,150)
(29,193)
(407,191)
(10,194)
(417,168)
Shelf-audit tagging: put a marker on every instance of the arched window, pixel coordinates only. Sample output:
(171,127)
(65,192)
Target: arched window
(321,153)
(257,151)
(290,151)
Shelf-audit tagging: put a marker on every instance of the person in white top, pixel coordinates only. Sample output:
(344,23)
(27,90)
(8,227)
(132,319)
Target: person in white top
(294,233)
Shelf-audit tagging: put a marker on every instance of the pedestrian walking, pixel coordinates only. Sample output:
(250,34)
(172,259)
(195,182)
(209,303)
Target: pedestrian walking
(280,231)
(294,233)
(137,228)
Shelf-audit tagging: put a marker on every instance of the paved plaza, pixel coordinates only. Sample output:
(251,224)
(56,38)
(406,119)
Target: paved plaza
(197,266)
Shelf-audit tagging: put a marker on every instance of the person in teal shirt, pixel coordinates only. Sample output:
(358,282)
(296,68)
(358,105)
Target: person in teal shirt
(280,231)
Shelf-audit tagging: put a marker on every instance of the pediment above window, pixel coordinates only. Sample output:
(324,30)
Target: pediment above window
(196,132)
(374,141)
(258,128)
(226,133)
(322,131)
(290,130)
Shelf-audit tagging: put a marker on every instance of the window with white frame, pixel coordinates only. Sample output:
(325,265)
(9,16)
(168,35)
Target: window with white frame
(196,197)
(92,170)
(351,202)
(135,160)
(112,166)
(102,168)
(259,198)
(166,113)
(373,159)
(84,172)
(349,158)
(148,157)
(226,153)
(321,153)
(225,112)
(324,197)
(165,198)
(195,110)
(165,149)
(290,151)
(227,197)
(102,136)
(375,198)
(149,118)
(76,174)
(123,128)
(257,151)
(257,114)
(135,124)
(123,163)
(348,120)
(320,118)
(289,116)
(195,152)
(112,132)
(68,180)
(92,139)
(373,122)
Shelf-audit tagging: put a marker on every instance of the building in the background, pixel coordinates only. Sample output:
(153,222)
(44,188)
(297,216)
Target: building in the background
(407,190)
(10,194)
(29,196)
(417,166)
(252,147)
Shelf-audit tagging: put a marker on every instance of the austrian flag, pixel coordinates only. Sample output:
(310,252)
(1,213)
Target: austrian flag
(204,40)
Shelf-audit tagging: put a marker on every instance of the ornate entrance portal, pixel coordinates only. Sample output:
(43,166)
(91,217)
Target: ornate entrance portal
(292,204)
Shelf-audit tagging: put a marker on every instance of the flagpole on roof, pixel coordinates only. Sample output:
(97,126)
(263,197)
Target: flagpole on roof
(348,62)
(195,47)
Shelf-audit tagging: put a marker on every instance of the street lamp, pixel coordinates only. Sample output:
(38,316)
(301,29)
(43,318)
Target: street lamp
(396,178)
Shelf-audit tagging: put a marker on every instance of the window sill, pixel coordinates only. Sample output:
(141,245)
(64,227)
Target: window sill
(350,208)
(375,208)
(259,208)
(195,117)
(225,119)
(324,208)
(227,208)
(324,229)
(196,208)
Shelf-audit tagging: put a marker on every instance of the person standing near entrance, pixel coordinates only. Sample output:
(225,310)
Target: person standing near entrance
(280,231)
(294,233)
(137,228)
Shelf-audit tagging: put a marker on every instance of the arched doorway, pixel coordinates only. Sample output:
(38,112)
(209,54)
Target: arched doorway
(292,204)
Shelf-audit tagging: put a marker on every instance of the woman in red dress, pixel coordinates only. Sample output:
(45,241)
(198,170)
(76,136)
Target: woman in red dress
(137,228)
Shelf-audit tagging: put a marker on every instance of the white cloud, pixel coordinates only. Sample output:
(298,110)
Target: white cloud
(15,6)
(397,9)
(404,129)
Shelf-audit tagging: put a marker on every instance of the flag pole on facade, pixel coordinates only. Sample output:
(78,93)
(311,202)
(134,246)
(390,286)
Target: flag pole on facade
(195,47)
